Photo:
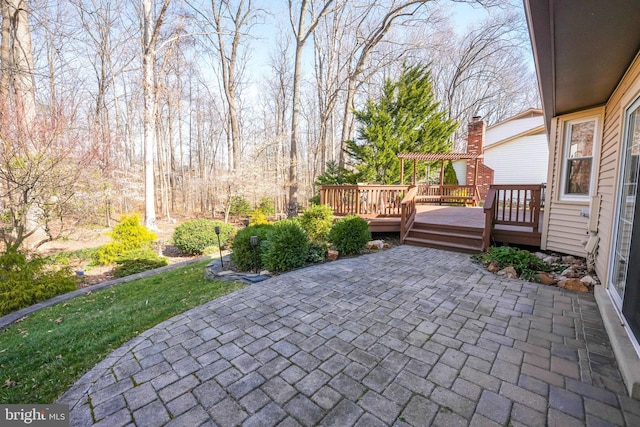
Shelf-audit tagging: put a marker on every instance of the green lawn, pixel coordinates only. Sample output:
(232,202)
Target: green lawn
(43,355)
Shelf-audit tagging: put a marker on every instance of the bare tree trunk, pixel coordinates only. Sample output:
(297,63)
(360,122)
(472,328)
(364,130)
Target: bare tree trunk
(301,30)
(151,29)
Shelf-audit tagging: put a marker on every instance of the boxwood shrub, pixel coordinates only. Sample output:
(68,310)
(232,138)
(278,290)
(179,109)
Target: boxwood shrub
(350,235)
(286,246)
(242,254)
(192,237)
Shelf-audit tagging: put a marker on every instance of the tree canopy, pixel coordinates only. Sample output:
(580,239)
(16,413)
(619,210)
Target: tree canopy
(407,118)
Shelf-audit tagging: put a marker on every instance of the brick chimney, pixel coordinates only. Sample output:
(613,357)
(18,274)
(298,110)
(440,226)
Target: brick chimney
(475,142)
(483,177)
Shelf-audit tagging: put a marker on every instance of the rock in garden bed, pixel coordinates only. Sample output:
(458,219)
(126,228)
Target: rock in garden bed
(551,269)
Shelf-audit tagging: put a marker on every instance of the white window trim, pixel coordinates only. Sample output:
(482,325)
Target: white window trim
(566,145)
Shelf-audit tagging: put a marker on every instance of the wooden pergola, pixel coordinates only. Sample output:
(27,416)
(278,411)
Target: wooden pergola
(432,157)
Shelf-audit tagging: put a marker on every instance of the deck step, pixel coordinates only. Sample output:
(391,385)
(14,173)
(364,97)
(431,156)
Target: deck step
(439,244)
(447,228)
(456,237)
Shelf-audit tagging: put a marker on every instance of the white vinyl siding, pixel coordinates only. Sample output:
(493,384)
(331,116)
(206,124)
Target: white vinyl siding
(521,161)
(564,228)
(460,166)
(607,179)
(509,129)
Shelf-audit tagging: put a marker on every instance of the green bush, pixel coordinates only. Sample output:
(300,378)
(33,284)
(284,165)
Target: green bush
(350,235)
(257,218)
(286,246)
(24,282)
(239,206)
(266,207)
(317,221)
(524,262)
(242,254)
(127,235)
(192,237)
(108,254)
(317,252)
(67,257)
(136,261)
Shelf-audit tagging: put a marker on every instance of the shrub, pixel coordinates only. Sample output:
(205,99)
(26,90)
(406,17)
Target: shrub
(68,257)
(137,261)
(108,254)
(127,235)
(132,234)
(192,237)
(350,235)
(266,207)
(286,246)
(316,221)
(257,218)
(242,254)
(24,282)
(239,206)
(317,252)
(524,262)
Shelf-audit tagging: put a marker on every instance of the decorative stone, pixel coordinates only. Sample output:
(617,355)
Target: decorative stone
(570,273)
(551,259)
(332,255)
(540,255)
(568,259)
(546,279)
(226,273)
(573,285)
(589,280)
(508,272)
(493,266)
(265,272)
(375,244)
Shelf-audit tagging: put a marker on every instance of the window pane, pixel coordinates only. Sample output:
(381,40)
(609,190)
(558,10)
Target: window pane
(579,176)
(582,139)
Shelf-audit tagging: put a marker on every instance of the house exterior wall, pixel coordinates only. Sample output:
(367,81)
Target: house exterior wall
(521,161)
(460,166)
(564,227)
(508,129)
(607,179)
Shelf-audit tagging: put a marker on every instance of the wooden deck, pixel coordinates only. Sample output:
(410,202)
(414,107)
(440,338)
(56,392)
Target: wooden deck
(511,215)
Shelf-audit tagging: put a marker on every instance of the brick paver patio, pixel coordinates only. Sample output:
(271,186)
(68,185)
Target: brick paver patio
(408,337)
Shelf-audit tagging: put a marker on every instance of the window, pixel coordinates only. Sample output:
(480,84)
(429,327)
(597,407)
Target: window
(580,140)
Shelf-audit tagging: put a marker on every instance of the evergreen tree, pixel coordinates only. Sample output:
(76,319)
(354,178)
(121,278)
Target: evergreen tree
(407,118)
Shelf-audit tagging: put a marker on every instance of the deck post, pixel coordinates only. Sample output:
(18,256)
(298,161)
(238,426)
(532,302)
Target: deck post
(475,173)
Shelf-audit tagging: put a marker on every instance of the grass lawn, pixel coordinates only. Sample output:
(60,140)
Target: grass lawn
(43,355)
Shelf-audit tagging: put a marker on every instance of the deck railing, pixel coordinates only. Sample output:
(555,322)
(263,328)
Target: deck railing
(489,209)
(364,200)
(451,194)
(512,205)
(408,213)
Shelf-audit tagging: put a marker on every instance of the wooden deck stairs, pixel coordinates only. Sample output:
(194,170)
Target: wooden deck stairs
(511,214)
(449,237)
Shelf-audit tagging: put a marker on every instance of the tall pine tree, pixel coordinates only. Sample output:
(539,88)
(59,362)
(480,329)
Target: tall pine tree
(407,118)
